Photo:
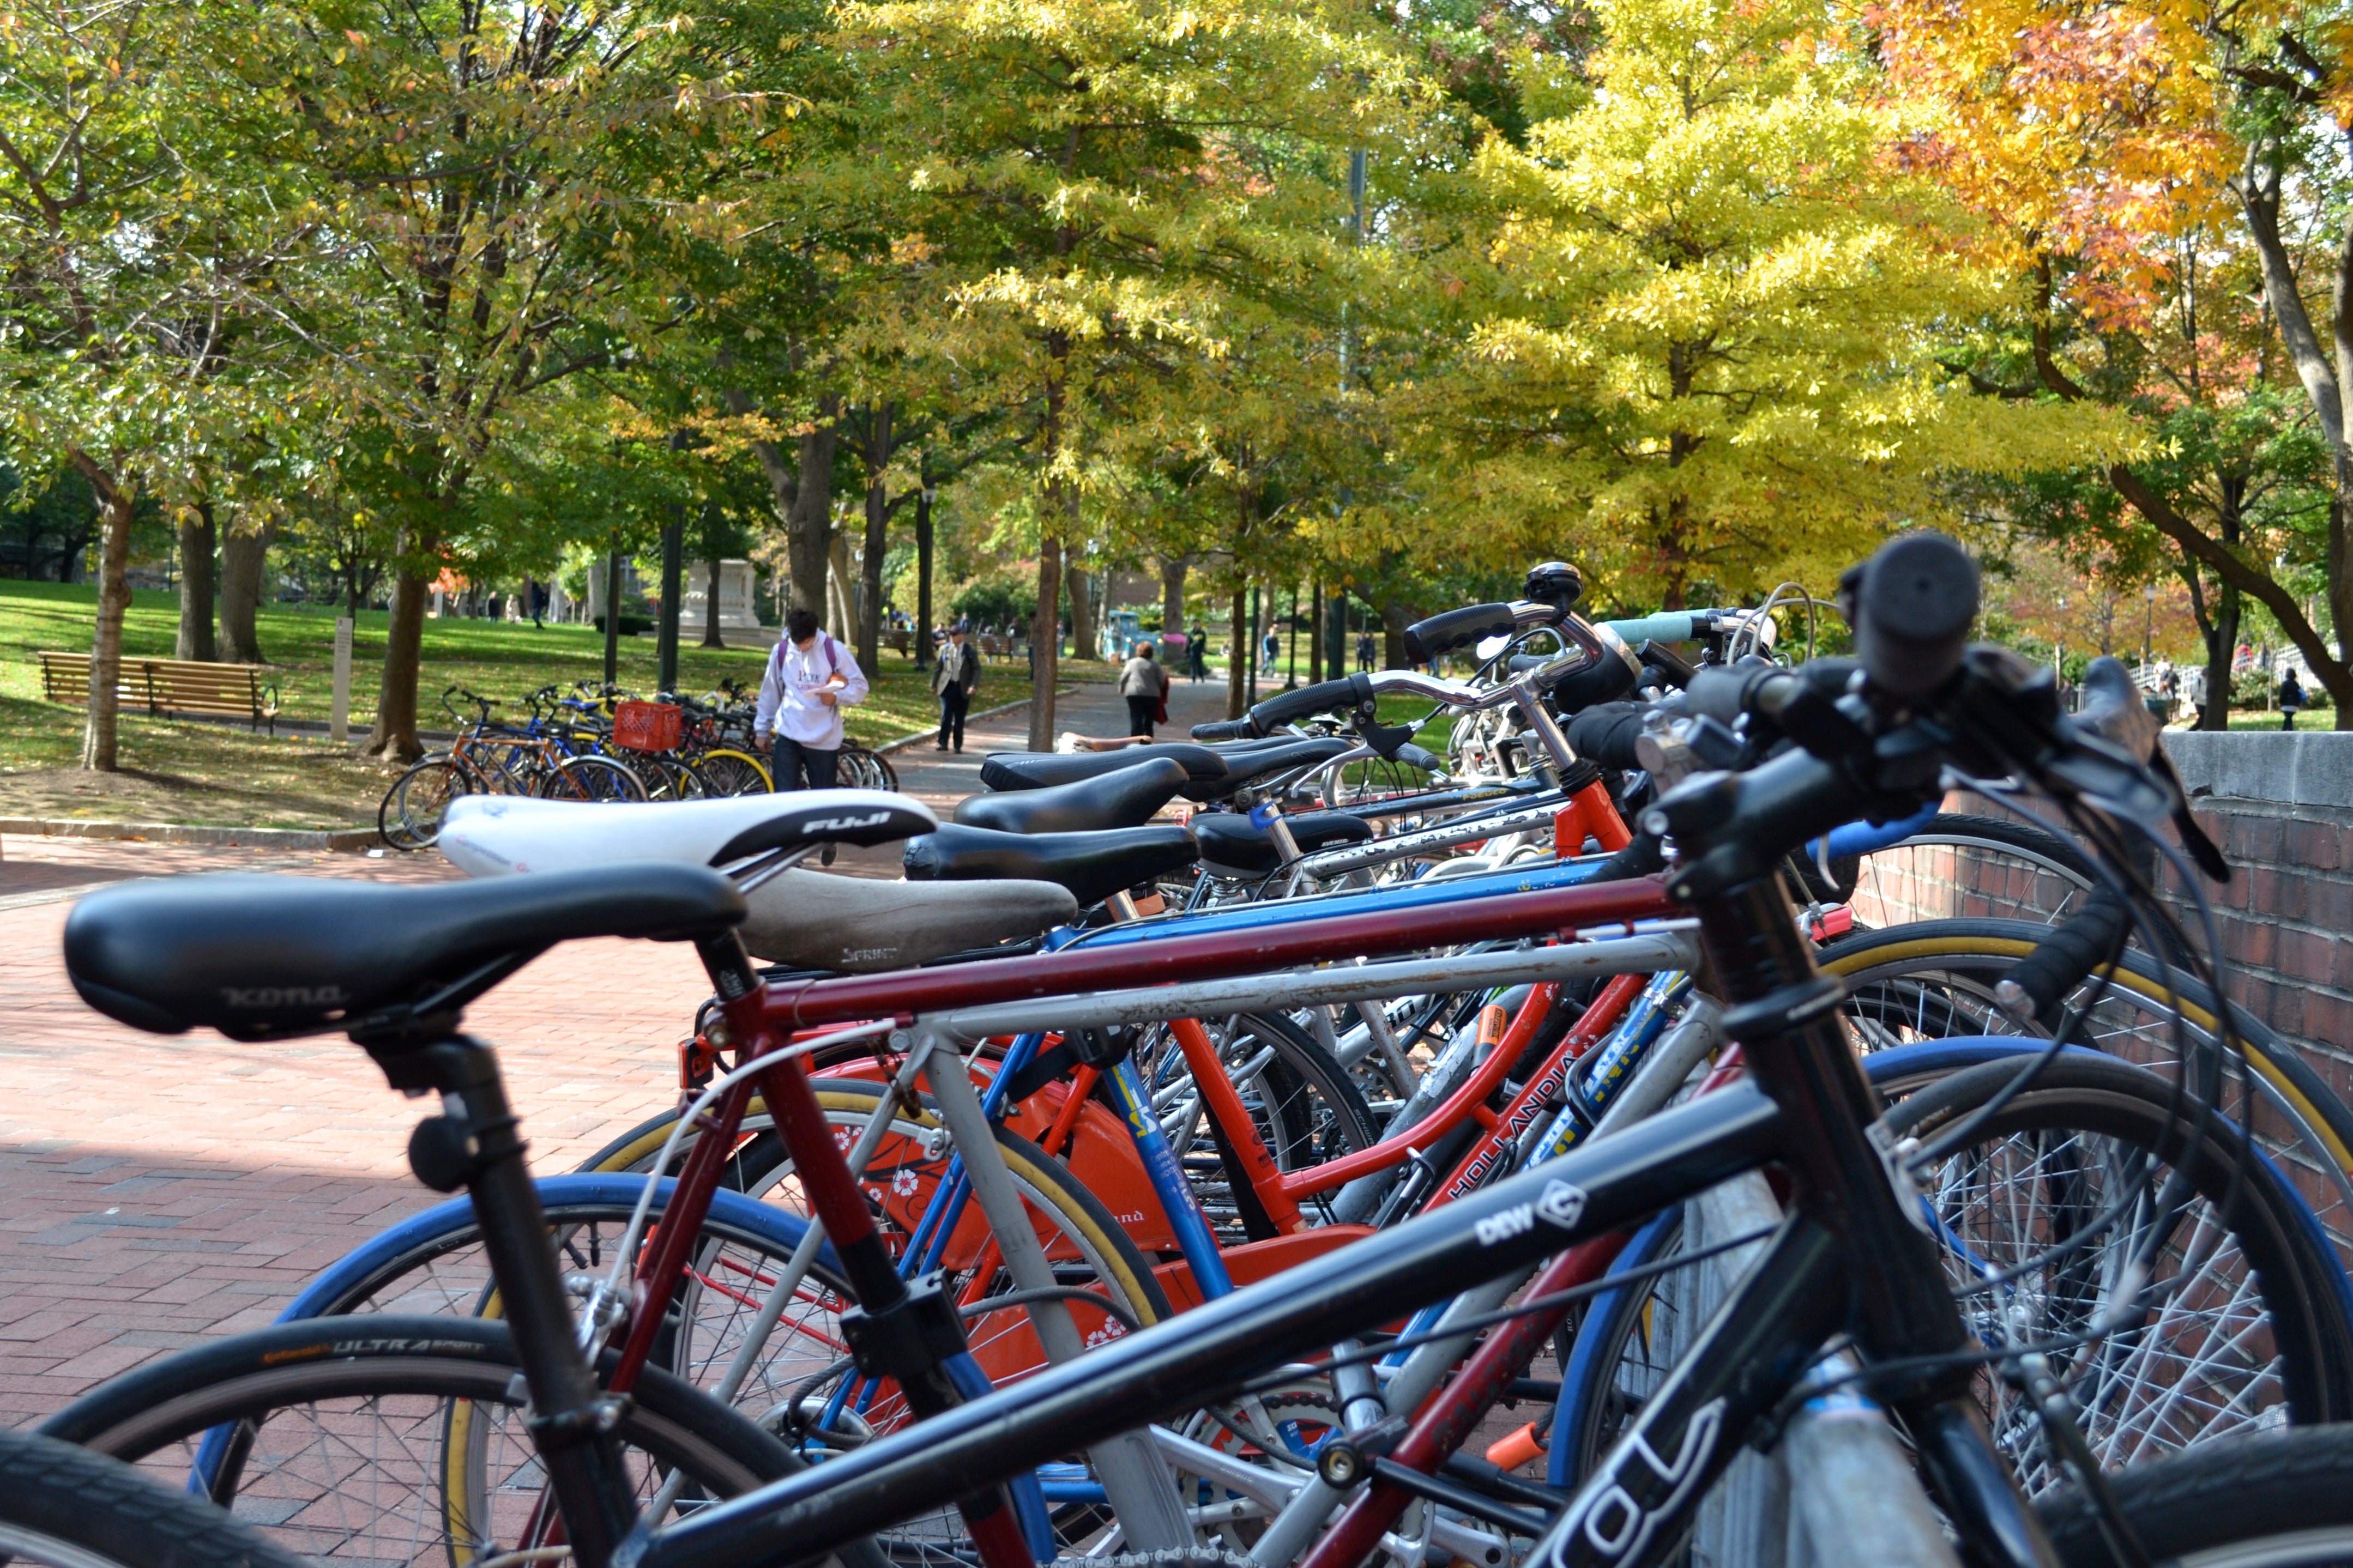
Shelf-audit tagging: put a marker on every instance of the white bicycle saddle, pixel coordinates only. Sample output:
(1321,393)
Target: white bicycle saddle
(494,836)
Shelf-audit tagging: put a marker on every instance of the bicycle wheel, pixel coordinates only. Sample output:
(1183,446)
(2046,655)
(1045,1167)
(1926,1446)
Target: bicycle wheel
(600,779)
(1936,979)
(664,776)
(862,769)
(2278,1501)
(1961,864)
(410,817)
(64,1506)
(403,1444)
(2251,1327)
(729,772)
(1301,1103)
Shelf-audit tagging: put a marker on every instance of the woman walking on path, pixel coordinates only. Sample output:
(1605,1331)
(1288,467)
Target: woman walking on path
(1146,686)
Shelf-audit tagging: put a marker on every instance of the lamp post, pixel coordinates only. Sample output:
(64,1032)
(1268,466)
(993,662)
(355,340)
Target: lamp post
(2148,626)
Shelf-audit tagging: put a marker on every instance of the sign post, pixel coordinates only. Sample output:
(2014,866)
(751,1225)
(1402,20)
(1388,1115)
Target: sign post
(339,715)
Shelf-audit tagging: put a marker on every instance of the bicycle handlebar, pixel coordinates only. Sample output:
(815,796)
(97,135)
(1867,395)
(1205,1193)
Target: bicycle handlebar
(1911,605)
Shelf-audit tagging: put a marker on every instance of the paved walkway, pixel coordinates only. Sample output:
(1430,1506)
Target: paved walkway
(155,1190)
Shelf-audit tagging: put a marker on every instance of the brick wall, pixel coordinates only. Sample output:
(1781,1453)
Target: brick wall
(2280,808)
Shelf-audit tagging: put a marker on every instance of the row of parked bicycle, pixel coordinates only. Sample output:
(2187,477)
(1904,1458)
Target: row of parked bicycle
(1579,1148)
(600,745)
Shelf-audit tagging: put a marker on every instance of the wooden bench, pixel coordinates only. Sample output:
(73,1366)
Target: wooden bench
(165,687)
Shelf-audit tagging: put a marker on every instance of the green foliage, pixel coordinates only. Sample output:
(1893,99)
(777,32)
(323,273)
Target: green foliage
(996,601)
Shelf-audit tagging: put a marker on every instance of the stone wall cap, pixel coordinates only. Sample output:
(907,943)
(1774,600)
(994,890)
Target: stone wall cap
(2302,767)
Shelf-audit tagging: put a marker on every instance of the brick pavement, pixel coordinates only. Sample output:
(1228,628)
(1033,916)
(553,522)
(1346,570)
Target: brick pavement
(155,1190)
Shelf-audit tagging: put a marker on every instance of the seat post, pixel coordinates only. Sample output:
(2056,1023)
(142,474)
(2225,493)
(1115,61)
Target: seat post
(476,1143)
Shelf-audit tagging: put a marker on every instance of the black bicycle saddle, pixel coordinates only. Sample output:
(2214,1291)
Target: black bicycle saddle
(1093,866)
(258,957)
(1266,759)
(1126,798)
(1229,844)
(1044,769)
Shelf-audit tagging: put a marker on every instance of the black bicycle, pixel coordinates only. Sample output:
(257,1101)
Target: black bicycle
(1850,1289)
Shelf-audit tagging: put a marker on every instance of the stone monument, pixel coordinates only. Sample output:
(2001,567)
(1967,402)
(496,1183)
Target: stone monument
(739,614)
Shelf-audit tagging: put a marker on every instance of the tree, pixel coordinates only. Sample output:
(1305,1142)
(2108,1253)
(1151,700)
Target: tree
(1701,321)
(128,227)
(483,189)
(2202,166)
(1073,181)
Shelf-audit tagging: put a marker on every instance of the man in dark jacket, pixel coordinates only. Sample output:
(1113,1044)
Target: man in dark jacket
(954,676)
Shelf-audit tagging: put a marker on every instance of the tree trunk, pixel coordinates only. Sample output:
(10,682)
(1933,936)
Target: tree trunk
(710,637)
(1237,667)
(808,523)
(1250,653)
(199,537)
(1046,626)
(869,575)
(923,578)
(1315,634)
(243,555)
(394,738)
(99,738)
(2221,647)
(840,617)
(1080,583)
(1171,594)
(1395,619)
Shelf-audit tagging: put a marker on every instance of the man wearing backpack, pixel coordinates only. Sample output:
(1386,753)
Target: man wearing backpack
(810,679)
(954,676)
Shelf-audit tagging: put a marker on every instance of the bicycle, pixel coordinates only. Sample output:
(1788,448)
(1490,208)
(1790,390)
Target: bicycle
(1735,1373)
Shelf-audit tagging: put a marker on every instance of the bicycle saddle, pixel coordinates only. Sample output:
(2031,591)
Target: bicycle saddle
(1042,770)
(258,957)
(1126,798)
(1267,759)
(851,925)
(1229,844)
(490,836)
(1093,866)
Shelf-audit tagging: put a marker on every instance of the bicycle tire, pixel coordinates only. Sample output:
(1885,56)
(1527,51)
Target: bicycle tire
(728,772)
(663,776)
(862,769)
(1935,978)
(1967,865)
(1045,1182)
(1608,1372)
(598,780)
(410,817)
(62,1506)
(456,1382)
(2279,1501)
(1305,1106)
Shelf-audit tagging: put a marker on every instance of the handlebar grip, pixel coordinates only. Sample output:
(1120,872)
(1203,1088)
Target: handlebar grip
(1225,730)
(1674,625)
(1434,635)
(1676,669)
(2060,962)
(1309,701)
(1604,680)
(1605,735)
(1911,605)
(1721,691)
(1413,756)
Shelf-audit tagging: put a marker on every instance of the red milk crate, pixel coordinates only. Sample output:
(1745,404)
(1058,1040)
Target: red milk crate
(647,726)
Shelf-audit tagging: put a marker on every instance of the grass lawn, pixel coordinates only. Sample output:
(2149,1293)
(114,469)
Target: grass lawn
(217,775)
